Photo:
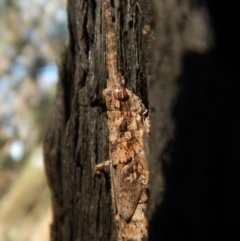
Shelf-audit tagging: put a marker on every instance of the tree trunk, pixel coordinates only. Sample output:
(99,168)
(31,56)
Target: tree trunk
(171,44)
(78,136)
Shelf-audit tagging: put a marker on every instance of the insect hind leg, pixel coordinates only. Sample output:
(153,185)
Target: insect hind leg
(101,166)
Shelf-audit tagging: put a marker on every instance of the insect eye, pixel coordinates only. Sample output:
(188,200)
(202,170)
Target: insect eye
(120,94)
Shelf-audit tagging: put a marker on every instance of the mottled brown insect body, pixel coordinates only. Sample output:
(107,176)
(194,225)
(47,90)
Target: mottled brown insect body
(127,123)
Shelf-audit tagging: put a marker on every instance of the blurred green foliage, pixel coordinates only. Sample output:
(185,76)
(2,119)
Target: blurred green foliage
(33,34)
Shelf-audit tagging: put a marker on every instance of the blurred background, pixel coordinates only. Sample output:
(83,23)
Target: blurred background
(33,34)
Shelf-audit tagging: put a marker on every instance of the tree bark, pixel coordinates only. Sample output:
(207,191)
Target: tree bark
(176,47)
(78,136)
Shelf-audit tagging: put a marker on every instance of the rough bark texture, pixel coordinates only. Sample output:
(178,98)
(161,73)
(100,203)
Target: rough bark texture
(192,89)
(78,136)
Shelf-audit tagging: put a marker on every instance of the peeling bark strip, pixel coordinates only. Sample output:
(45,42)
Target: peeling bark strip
(127,122)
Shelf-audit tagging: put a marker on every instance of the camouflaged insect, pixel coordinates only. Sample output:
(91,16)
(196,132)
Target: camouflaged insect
(127,123)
